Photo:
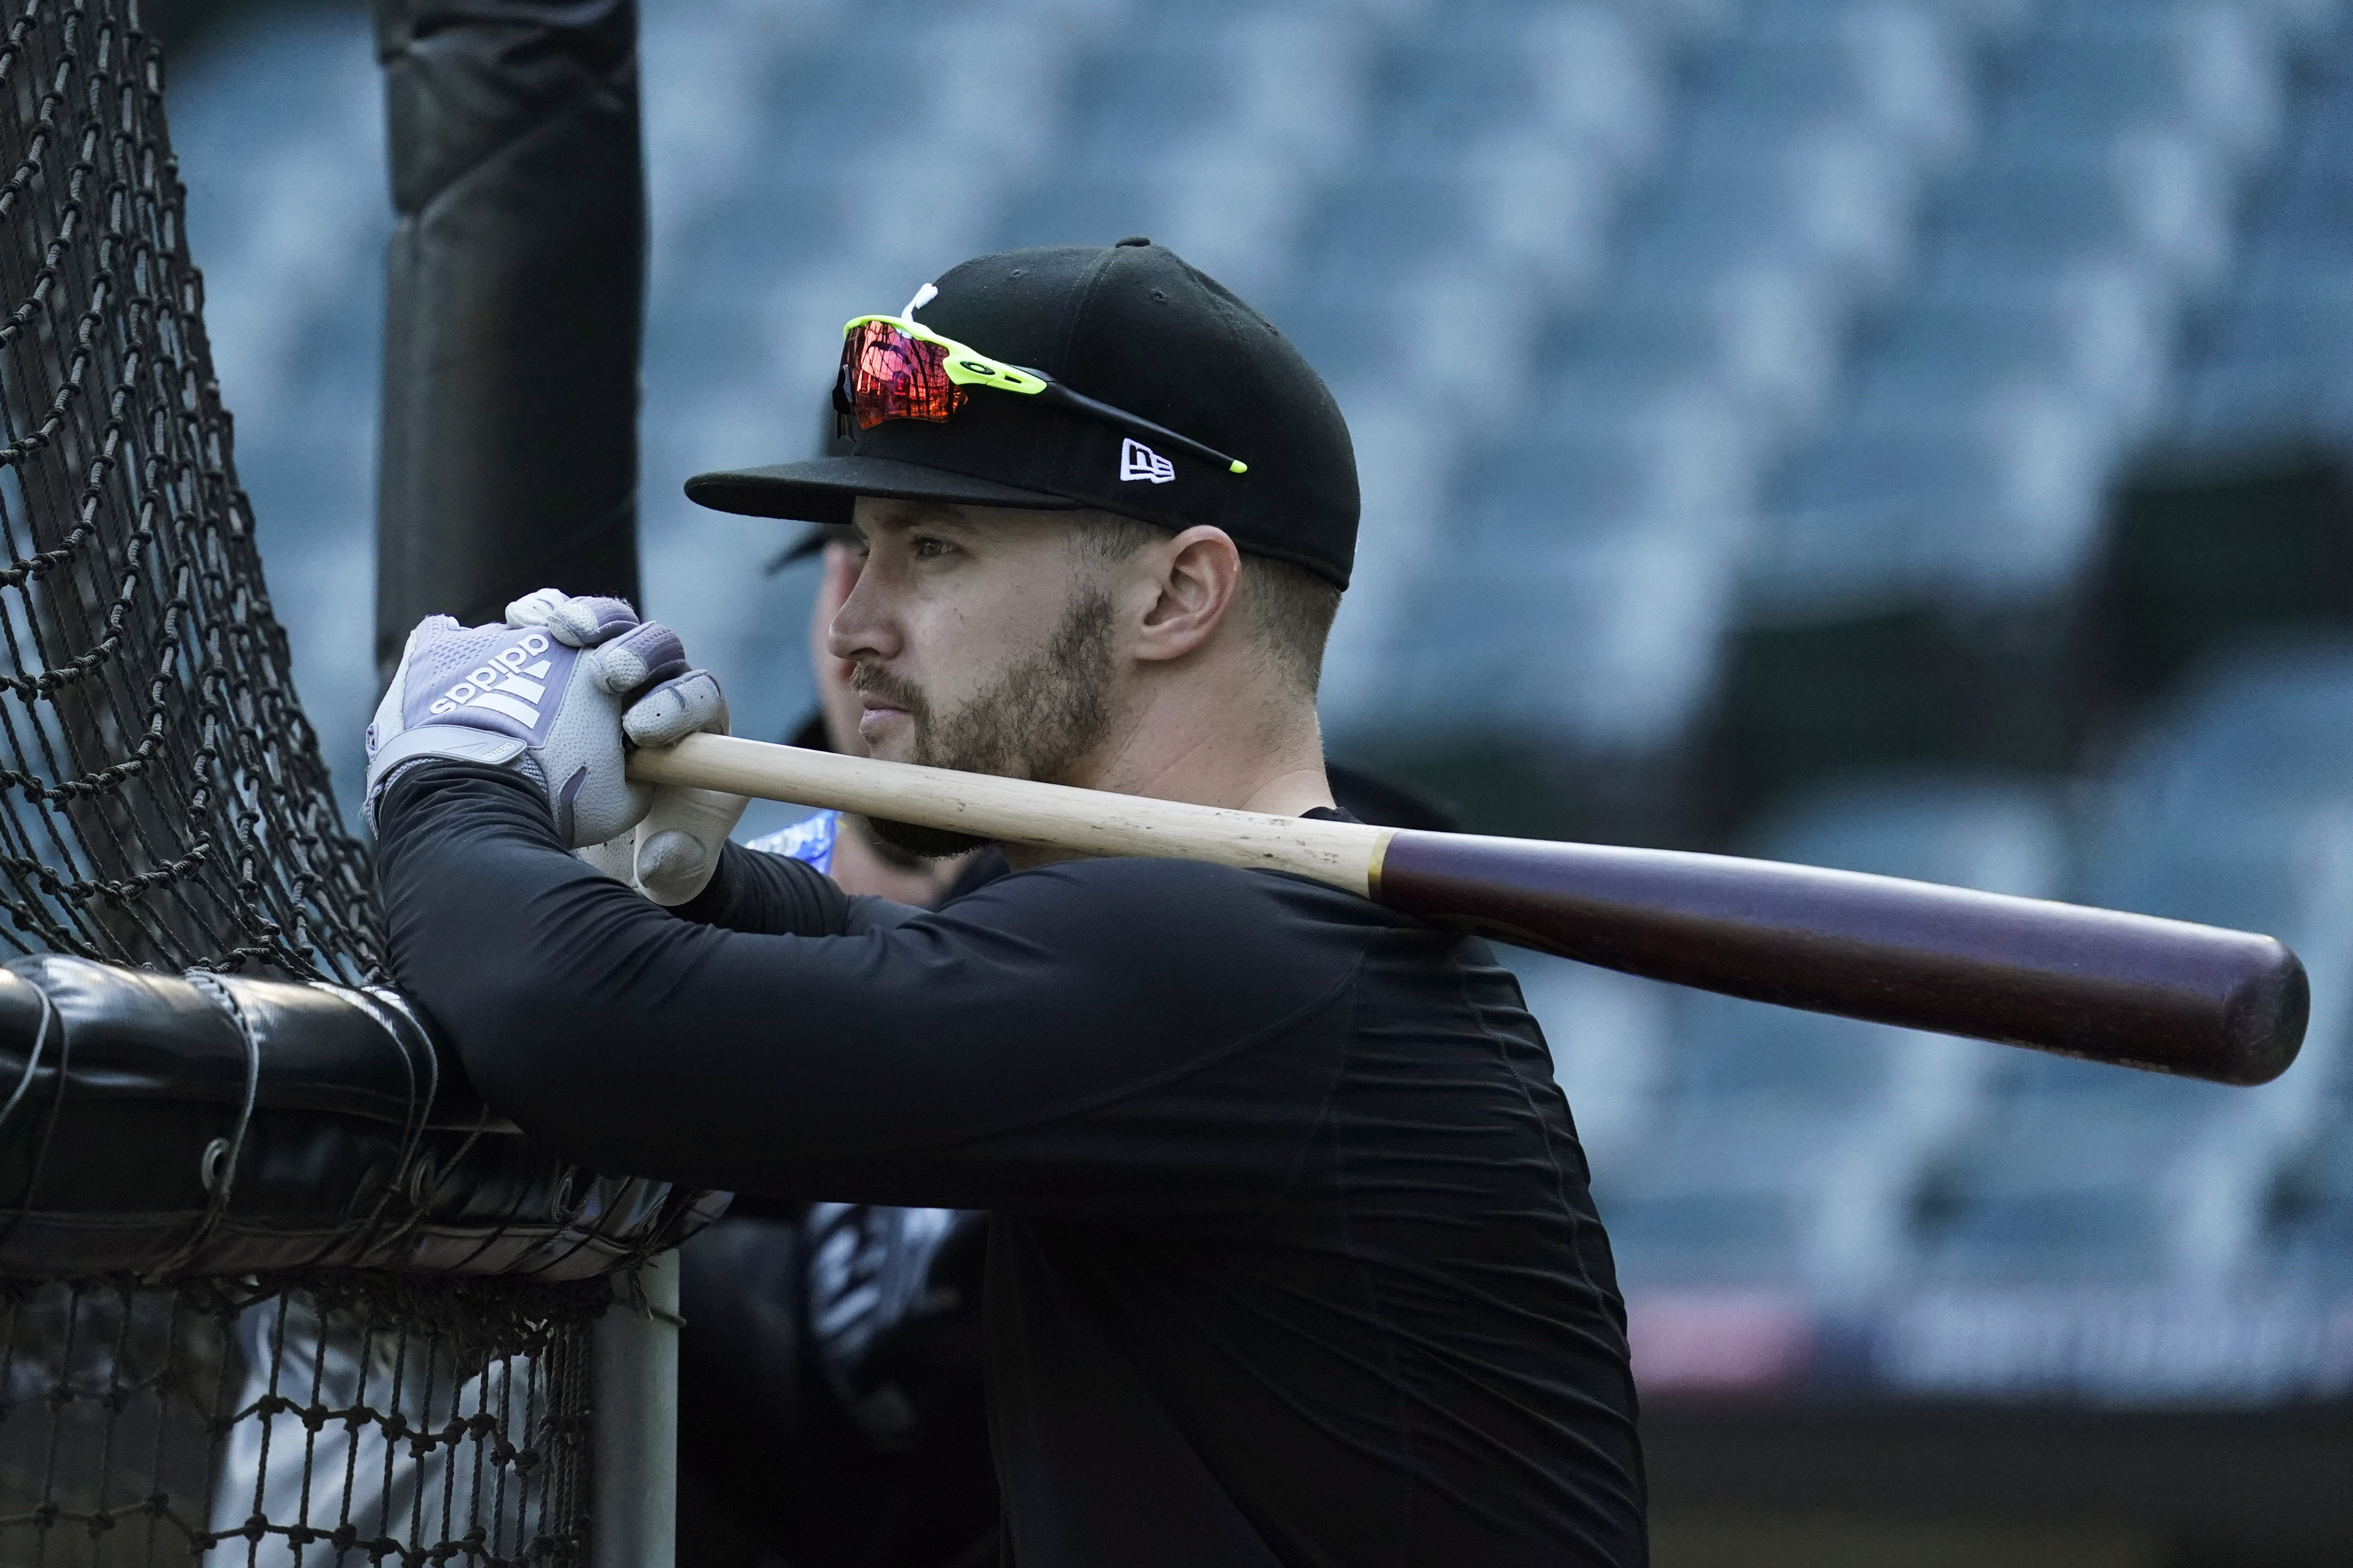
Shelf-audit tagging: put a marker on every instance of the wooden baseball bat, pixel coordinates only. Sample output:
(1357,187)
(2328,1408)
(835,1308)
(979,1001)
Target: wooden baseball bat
(2097,983)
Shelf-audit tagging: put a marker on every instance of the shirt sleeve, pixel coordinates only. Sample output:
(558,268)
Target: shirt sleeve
(777,895)
(770,894)
(1088,1037)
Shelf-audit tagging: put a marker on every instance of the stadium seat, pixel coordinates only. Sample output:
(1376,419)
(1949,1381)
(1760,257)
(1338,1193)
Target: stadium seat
(2161,202)
(2097,336)
(1894,70)
(1729,1200)
(1610,1034)
(2079,1173)
(2311,1212)
(2237,403)
(1520,210)
(1424,334)
(1289,85)
(2006,507)
(1817,1128)
(1584,482)
(2238,811)
(1608,644)
(1238,216)
(2303,23)
(1584,78)
(2109,70)
(1838,201)
(2269,725)
(2269,365)
(1767,341)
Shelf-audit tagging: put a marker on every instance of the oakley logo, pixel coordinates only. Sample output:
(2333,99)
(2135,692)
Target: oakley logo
(1138,461)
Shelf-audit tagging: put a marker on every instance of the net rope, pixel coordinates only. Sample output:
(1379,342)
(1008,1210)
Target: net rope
(362,1419)
(162,799)
(163,804)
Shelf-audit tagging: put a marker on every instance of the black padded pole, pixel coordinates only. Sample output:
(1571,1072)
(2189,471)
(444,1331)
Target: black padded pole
(514,307)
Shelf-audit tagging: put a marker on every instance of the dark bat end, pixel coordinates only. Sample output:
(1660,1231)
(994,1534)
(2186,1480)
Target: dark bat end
(2264,1020)
(2225,1006)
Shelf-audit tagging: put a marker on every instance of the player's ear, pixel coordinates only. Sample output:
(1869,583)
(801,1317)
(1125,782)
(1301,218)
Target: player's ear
(1197,575)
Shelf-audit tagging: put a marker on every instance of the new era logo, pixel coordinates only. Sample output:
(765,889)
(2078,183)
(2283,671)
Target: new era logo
(1138,461)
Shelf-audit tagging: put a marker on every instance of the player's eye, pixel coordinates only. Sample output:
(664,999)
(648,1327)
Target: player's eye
(927,547)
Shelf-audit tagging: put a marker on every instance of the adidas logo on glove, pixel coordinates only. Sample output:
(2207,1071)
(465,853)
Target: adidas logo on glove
(512,683)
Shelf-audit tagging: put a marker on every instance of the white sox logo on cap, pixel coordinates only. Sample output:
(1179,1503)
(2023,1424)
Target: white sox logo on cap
(1138,461)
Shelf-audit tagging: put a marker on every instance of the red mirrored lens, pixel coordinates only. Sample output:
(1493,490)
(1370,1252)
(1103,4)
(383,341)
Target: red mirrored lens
(889,376)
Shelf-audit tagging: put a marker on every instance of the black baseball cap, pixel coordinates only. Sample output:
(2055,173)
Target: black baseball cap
(1131,325)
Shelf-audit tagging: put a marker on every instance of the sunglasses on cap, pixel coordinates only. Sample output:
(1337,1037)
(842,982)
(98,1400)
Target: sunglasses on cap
(894,368)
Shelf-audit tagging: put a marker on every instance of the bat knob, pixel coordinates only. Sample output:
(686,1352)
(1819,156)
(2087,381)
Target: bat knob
(2265,1015)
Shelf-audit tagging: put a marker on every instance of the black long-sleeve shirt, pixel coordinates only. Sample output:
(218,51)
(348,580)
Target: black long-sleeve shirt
(1292,1259)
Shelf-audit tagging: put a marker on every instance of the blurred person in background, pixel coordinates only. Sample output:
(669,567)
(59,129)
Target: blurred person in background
(830,1403)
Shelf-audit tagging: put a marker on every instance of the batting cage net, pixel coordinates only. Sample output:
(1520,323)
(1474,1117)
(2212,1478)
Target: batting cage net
(165,800)
(272,1421)
(274,1286)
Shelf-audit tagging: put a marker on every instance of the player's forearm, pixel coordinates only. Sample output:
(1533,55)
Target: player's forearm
(626,1039)
(531,962)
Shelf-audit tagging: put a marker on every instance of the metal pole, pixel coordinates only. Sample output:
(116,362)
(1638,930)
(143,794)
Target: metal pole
(633,1412)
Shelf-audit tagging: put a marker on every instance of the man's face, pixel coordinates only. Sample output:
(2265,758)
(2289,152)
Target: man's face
(979,640)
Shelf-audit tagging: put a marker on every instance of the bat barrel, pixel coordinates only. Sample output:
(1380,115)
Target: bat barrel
(2173,997)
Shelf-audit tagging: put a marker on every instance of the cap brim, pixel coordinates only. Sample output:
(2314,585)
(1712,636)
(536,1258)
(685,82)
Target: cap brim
(823,489)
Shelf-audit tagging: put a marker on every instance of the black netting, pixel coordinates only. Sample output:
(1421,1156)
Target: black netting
(162,796)
(162,805)
(327,1420)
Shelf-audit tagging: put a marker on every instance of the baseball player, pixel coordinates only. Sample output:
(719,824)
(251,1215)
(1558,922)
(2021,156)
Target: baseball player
(829,1381)
(1291,1257)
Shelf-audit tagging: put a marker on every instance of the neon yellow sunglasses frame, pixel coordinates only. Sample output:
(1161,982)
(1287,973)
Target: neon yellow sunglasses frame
(969,367)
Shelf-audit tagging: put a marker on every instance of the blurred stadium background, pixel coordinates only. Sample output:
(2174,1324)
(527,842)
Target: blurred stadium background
(1907,434)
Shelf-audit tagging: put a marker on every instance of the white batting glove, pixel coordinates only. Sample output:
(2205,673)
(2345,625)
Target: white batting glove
(545,693)
(677,846)
(670,853)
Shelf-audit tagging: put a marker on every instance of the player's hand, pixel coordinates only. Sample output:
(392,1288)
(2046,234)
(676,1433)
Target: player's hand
(678,844)
(670,853)
(545,693)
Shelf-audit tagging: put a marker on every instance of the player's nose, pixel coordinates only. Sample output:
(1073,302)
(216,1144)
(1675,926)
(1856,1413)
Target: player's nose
(861,628)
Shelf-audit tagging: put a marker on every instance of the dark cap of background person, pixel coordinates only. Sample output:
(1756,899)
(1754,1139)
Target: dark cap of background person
(809,544)
(1131,325)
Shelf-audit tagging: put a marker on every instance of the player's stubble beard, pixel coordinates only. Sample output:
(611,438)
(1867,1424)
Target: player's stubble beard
(1036,719)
